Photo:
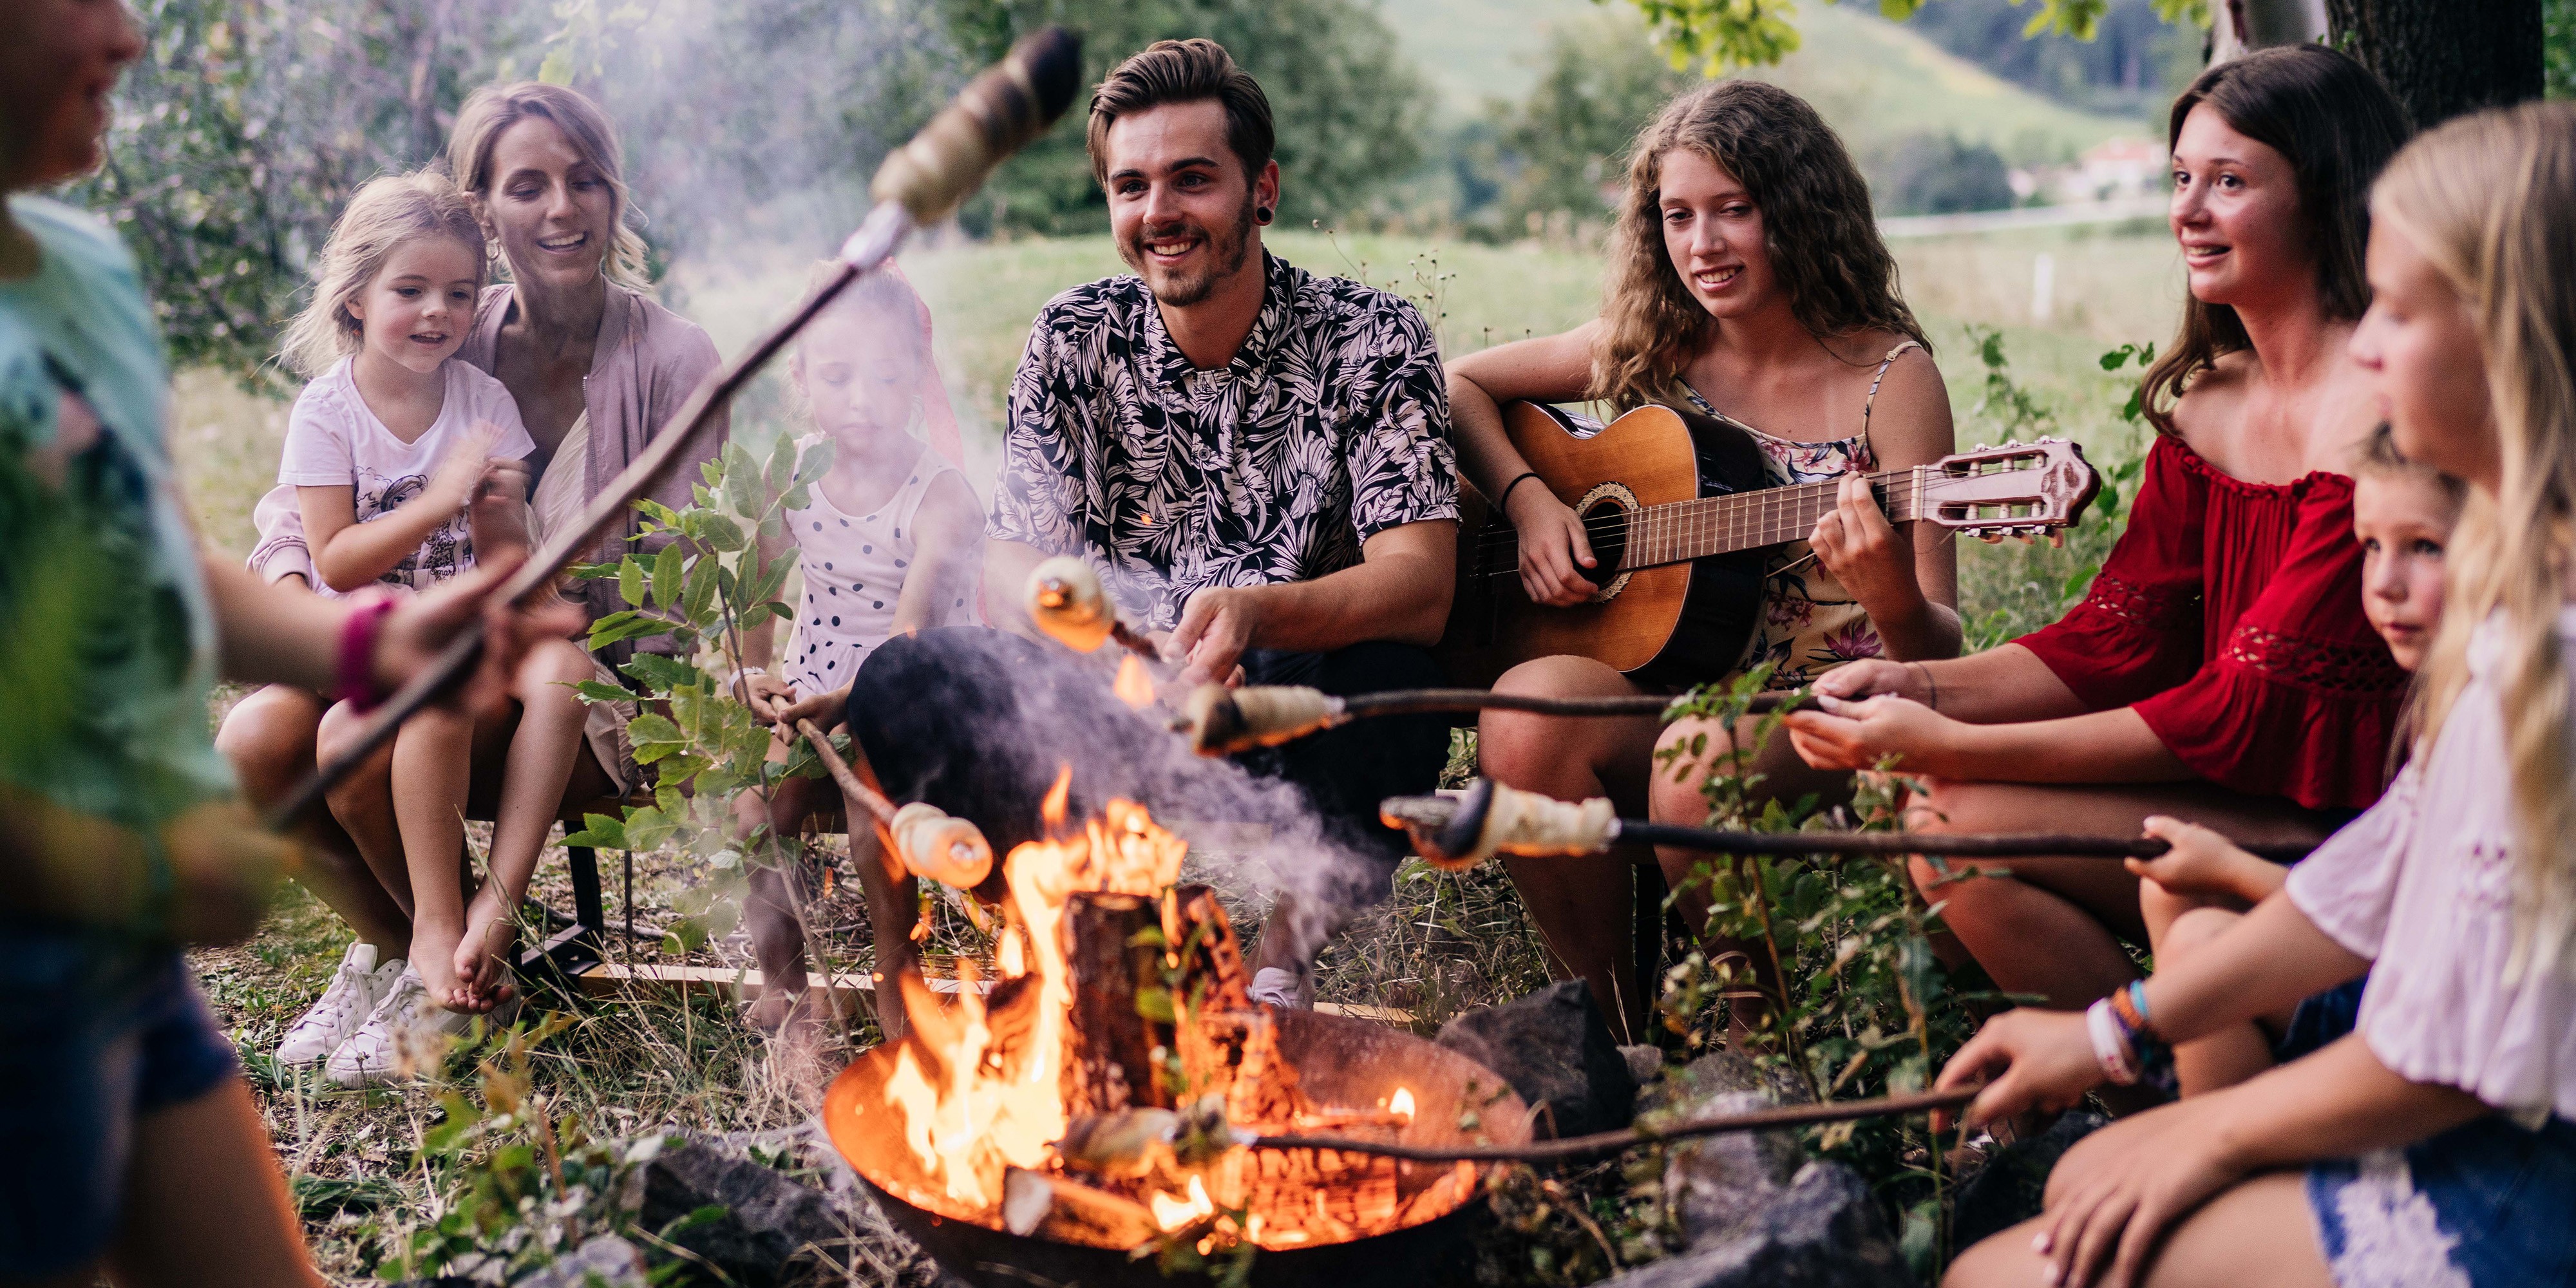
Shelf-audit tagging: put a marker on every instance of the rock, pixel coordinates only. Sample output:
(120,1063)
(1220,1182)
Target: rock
(2008,1189)
(1824,1231)
(1717,1074)
(604,1262)
(1718,1187)
(1554,1048)
(769,1217)
(1645,1063)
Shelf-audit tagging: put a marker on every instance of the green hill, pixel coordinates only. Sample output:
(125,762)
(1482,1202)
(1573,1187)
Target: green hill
(1875,80)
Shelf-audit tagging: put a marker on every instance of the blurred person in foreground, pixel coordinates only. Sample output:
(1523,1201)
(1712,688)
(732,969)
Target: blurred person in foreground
(1257,461)
(134,1146)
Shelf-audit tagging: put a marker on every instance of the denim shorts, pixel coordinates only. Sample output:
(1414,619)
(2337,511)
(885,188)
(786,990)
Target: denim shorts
(2483,1205)
(94,1034)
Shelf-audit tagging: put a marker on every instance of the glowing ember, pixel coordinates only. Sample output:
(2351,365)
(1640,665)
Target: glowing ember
(1134,687)
(1401,1104)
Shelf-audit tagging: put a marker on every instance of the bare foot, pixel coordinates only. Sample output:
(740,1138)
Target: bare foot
(788,1002)
(482,957)
(434,954)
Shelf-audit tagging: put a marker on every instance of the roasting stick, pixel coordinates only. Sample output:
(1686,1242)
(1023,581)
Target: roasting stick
(1603,1144)
(1000,110)
(1456,833)
(1225,722)
(932,844)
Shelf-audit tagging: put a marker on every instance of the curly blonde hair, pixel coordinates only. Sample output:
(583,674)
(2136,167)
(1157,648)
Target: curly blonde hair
(386,212)
(2490,202)
(1817,228)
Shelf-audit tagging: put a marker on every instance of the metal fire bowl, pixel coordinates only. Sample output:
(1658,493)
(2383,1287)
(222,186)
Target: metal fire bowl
(1340,1062)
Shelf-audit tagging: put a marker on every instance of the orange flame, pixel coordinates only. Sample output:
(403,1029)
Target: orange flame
(1401,1104)
(966,1115)
(1134,687)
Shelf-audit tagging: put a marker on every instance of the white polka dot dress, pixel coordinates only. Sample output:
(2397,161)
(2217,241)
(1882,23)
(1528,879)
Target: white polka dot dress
(854,567)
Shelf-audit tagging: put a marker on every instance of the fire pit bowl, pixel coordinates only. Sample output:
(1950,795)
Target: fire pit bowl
(1340,1062)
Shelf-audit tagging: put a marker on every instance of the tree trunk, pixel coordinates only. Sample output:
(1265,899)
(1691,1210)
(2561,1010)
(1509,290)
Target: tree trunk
(2444,57)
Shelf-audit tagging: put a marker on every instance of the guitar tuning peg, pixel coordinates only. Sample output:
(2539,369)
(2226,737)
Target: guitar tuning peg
(2057,539)
(1992,536)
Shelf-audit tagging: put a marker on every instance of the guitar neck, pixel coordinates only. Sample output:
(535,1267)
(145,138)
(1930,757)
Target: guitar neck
(1716,525)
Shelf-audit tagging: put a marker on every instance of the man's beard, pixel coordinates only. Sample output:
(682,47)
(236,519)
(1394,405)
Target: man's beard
(1227,253)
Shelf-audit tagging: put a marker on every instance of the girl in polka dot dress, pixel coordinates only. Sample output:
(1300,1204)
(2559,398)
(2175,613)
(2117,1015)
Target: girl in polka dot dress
(889,543)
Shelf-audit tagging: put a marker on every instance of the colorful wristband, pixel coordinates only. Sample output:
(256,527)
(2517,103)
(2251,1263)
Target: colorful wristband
(2111,1044)
(354,678)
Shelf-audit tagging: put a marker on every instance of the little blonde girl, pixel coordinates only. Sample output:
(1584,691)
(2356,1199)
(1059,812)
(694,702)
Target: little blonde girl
(2436,1142)
(889,544)
(2402,515)
(386,448)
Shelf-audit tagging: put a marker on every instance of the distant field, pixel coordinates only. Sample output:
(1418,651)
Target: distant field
(1875,81)
(2110,288)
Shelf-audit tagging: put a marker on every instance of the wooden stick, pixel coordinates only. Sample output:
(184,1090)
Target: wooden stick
(1604,1144)
(852,786)
(1227,722)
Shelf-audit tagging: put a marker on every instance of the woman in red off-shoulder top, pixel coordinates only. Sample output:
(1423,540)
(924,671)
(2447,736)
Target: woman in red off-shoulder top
(2220,670)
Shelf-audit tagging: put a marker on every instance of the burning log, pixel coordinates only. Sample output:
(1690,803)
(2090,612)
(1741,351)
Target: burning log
(1459,833)
(1110,958)
(1224,722)
(1058,1207)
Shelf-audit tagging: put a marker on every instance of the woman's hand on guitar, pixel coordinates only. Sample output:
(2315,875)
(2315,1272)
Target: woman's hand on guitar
(1866,553)
(1554,552)
(1857,735)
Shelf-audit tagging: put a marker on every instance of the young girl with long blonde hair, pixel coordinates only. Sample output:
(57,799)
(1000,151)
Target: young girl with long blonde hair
(2436,1143)
(385,448)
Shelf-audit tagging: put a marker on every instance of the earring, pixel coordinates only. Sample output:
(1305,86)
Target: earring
(1261,214)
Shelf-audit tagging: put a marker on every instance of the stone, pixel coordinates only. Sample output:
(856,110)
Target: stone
(1645,1063)
(1719,1187)
(2008,1189)
(769,1216)
(1555,1049)
(1825,1230)
(604,1262)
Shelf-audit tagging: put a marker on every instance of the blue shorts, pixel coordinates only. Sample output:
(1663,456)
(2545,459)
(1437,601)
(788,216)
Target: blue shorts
(2483,1205)
(94,1034)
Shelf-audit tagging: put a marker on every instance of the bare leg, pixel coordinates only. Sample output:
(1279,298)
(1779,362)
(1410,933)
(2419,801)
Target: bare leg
(1585,908)
(773,909)
(269,737)
(432,771)
(205,1205)
(362,803)
(2260,1232)
(1675,798)
(534,773)
(2055,928)
(2179,926)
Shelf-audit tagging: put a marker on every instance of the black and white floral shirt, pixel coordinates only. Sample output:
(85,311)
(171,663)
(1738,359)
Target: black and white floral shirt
(1330,425)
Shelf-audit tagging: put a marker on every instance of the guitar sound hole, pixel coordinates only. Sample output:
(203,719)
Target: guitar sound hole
(1605,526)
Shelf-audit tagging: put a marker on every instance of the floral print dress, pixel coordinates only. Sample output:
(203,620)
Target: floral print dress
(1809,623)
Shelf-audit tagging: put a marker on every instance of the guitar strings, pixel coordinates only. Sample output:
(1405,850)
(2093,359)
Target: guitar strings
(1765,506)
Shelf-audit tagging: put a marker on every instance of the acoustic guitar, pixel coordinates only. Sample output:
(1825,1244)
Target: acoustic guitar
(1683,524)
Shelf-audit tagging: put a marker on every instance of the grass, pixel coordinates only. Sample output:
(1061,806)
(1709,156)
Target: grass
(1444,944)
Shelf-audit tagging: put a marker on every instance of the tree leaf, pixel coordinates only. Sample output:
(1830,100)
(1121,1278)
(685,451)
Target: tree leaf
(630,582)
(667,568)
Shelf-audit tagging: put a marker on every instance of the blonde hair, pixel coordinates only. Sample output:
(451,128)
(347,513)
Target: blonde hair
(386,212)
(2490,201)
(878,296)
(1818,230)
(490,111)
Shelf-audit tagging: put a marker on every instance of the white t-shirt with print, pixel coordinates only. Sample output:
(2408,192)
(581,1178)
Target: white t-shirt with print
(333,440)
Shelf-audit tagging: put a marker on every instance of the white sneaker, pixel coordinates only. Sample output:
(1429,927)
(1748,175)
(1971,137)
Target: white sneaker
(406,1036)
(1289,990)
(355,989)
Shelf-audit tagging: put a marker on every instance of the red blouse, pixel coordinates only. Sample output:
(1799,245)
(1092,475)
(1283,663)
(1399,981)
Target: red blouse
(2229,617)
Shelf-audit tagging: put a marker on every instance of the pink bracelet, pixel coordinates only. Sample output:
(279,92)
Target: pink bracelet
(354,679)
(2111,1044)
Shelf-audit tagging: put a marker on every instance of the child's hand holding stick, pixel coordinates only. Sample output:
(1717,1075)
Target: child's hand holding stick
(2202,862)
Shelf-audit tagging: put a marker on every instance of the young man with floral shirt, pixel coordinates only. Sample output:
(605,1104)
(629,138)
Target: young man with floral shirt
(1257,460)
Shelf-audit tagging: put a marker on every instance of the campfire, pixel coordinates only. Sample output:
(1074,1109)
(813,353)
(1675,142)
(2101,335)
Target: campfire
(1101,1093)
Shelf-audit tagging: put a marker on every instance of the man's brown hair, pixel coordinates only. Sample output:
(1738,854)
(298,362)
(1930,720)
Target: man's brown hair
(1184,71)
